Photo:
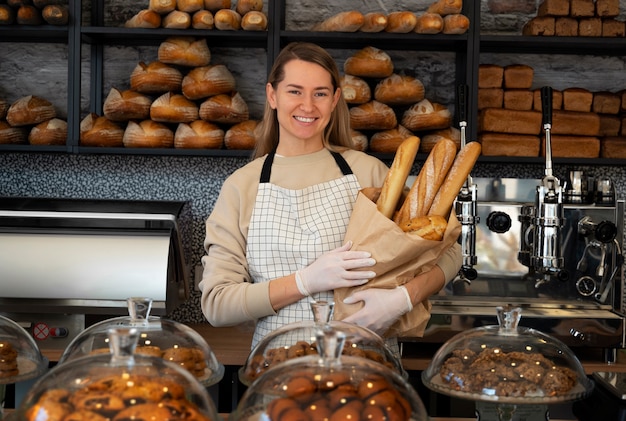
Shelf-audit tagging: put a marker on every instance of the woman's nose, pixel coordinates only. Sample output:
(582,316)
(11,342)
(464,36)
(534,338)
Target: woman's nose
(307,103)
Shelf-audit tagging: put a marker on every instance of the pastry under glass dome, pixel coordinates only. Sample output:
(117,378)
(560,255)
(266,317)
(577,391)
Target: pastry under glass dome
(120,385)
(20,357)
(159,337)
(507,364)
(298,339)
(319,386)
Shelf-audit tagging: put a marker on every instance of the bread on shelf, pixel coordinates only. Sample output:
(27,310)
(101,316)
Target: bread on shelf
(359,140)
(426,115)
(30,110)
(50,132)
(206,81)
(401,22)
(198,134)
(509,144)
(399,89)
(242,135)
(372,115)
(100,131)
(369,62)
(355,90)
(225,109)
(455,24)
(373,22)
(126,105)
(148,134)
(12,135)
(244,6)
(184,51)
(155,78)
(429,23)
(387,141)
(173,108)
(254,21)
(147,19)
(227,20)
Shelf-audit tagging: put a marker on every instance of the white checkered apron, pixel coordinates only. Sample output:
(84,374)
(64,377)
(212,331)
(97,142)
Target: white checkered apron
(289,229)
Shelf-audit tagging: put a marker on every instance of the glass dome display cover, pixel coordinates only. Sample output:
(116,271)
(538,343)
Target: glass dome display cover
(20,357)
(159,337)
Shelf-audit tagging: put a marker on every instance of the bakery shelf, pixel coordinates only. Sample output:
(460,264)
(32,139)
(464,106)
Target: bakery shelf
(552,45)
(34,33)
(225,153)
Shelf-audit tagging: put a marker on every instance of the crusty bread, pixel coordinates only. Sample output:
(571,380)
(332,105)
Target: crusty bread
(398,90)
(347,21)
(540,26)
(388,141)
(590,27)
(395,180)
(446,7)
(456,177)
(565,27)
(518,76)
(610,125)
(553,8)
(518,99)
(455,24)
(244,6)
(577,99)
(148,134)
(359,140)
(162,7)
(355,90)
(126,105)
(100,131)
(613,147)
(202,19)
(369,62)
(401,22)
(372,115)
(30,110)
(184,51)
(173,108)
(429,227)
(198,134)
(426,115)
(605,102)
(206,81)
(575,123)
(155,78)
(148,19)
(254,21)
(607,8)
(500,120)
(582,8)
(490,76)
(429,23)
(227,20)
(241,135)
(506,144)
(12,135)
(27,14)
(374,22)
(430,139)
(491,98)
(189,6)
(225,108)
(50,132)
(56,14)
(573,146)
(215,5)
(176,19)
(7,17)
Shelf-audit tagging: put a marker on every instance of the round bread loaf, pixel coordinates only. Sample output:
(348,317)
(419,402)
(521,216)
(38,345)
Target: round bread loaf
(241,135)
(359,140)
(12,135)
(426,115)
(369,62)
(126,105)
(173,108)
(100,131)
(455,24)
(372,115)
(184,51)
(244,6)
(225,109)
(430,139)
(429,23)
(254,21)
(30,110)
(399,90)
(198,134)
(355,90)
(189,6)
(155,78)
(387,141)
(51,132)
(206,81)
(148,19)
(401,22)
(215,5)
(202,19)
(148,134)
(162,7)
(176,19)
(227,20)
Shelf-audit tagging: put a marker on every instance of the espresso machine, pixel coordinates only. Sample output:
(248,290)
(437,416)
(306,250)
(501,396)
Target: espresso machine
(551,247)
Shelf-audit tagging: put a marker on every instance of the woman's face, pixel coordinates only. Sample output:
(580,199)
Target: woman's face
(304,101)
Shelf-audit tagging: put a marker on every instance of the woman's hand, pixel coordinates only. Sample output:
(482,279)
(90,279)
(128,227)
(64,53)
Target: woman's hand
(336,269)
(382,307)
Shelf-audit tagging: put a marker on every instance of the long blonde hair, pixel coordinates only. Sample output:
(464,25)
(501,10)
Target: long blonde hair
(337,134)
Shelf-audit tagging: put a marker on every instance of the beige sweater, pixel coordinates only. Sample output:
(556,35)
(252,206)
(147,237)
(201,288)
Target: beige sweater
(228,296)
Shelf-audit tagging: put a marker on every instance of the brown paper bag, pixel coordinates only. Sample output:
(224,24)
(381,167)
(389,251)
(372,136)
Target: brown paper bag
(400,256)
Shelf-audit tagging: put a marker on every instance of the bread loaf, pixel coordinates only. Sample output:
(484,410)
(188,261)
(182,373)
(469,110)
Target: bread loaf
(518,76)
(176,19)
(30,110)
(146,18)
(582,8)
(28,14)
(401,22)
(12,135)
(173,108)
(609,125)
(359,140)
(490,76)
(254,21)
(553,8)
(509,121)
(430,139)
(227,20)
(155,78)
(455,24)
(50,132)
(490,98)
(206,81)
(190,6)
(184,51)
(573,146)
(215,5)
(202,19)
(397,90)
(241,135)
(100,131)
(148,134)
(540,26)
(607,8)
(456,177)
(244,6)
(577,99)
(355,90)
(575,123)
(427,183)
(429,227)
(369,62)
(590,27)
(224,108)
(198,134)
(372,115)
(7,17)
(388,141)
(126,105)
(162,7)
(613,147)
(426,115)
(395,180)
(506,144)
(565,27)
(606,103)
(55,14)
(518,99)
(428,23)
(446,7)
(347,21)
(374,22)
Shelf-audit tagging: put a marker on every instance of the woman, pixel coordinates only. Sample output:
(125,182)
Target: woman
(275,235)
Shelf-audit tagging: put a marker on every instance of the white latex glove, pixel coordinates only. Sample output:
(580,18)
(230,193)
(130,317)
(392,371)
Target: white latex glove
(382,307)
(336,269)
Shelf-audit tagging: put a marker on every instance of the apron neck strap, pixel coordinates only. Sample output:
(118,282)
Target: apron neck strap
(267,165)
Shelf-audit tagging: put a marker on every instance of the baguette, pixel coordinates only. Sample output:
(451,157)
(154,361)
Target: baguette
(428,181)
(374,22)
(349,21)
(396,176)
(429,227)
(401,22)
(456,177)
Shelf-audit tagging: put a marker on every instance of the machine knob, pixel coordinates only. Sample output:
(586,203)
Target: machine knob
(469,273)
(499,222)
(606,231)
